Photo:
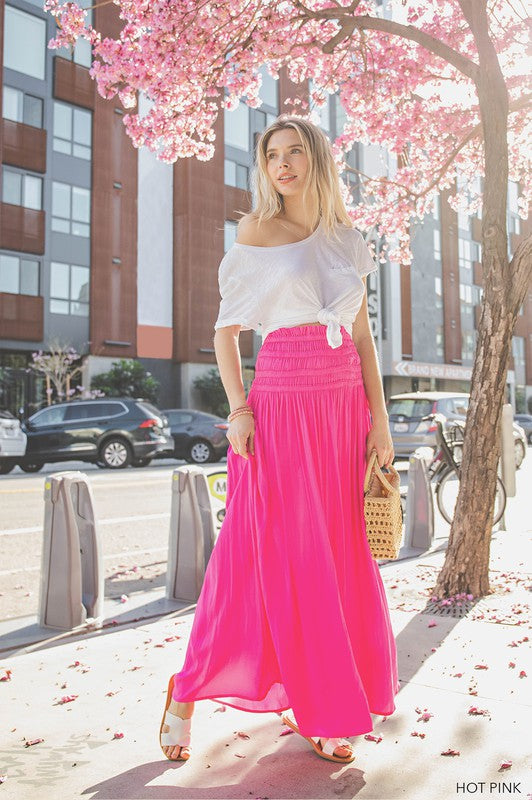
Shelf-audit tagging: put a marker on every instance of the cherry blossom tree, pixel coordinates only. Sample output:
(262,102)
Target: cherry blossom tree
(60,365)
(441,84)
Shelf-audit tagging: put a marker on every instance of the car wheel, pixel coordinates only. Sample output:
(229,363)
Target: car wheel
(200,452)
(141,462)
(31,466)
(6,466)
(519,454)
(115,454)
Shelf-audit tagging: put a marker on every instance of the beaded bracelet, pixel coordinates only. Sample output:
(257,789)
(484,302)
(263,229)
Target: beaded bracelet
(240,414)
(239,408)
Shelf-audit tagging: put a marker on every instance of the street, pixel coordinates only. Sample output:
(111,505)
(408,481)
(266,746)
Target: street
(132,509)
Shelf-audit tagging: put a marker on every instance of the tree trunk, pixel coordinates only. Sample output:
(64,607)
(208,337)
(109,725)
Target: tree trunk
(466,567)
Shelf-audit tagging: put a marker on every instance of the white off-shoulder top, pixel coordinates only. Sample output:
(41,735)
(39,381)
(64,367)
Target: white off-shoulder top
(313,280)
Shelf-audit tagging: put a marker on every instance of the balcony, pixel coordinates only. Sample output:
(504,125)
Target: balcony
(73,83)
(21,317)
(21,229)
(24,146)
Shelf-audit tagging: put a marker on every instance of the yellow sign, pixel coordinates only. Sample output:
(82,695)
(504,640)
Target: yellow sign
(218,485)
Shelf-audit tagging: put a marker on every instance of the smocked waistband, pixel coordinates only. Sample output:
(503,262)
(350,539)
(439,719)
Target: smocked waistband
(299,358)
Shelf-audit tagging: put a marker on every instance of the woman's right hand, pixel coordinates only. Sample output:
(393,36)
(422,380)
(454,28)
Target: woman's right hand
(241,429)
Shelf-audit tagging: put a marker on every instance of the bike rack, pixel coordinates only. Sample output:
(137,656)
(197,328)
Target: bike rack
(192,534)
(419,522)
(506,465)
(72,582)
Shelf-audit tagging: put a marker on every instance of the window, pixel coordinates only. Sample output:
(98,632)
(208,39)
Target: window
(19,275)
(465,253)
(269,90)
(179,418)
(48,416)
(409,407)
(437,245)
(70,209)
(518,351)
(465,293)
(72,131)
(80,411)
(109,409)
(468,345)
(436,208)
(512,197)
(69,289)
(230,229)
(24,43)
(463,221)
(459,405)
(21,189)
(236,126)
(438,292)
(80,54)
(235,174)
(76,412)
(21,107)
(439,340)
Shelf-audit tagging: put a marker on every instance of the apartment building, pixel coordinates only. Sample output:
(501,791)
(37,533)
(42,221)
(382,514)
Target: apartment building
(116,254)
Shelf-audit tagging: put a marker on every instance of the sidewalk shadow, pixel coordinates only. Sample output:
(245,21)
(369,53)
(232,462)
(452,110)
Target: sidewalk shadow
(275,776)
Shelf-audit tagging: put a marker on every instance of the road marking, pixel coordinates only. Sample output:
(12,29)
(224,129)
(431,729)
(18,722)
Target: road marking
(97,484)
(112,556)
(110,521)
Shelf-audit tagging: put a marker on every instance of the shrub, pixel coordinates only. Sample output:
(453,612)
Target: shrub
(127,378)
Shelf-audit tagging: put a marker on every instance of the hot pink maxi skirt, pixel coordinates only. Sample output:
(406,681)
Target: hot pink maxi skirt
(292,612)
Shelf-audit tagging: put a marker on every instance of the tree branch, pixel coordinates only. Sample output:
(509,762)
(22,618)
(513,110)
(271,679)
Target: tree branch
(350,22)
(517,105)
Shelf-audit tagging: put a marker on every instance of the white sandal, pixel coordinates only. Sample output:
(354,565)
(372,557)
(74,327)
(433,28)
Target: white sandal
(178,734)
(327,750)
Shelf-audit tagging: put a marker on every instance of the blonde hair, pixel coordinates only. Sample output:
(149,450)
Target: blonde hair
(322,184)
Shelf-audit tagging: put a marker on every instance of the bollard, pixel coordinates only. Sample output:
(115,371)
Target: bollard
(419,523)
(506,464)
(192,534)
(72,588)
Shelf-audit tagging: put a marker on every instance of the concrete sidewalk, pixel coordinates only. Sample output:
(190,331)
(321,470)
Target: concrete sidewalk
(101,742)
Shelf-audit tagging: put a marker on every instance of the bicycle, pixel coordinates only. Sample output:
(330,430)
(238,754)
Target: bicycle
(444,469)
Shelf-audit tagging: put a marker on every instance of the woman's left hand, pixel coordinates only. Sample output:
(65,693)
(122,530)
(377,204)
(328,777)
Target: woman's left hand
(379,438)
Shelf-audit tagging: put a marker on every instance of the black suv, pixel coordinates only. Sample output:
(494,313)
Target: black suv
(111,432)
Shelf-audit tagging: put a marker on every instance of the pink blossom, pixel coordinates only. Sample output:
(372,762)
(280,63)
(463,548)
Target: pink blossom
(194,60)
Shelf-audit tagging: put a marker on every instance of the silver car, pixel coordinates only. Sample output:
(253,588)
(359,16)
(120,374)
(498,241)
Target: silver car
(12,441)
(409,431)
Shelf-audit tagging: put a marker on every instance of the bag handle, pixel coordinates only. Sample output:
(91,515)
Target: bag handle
(373,464)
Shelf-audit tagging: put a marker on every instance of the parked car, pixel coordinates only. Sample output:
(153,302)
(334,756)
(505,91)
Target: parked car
(525,421)
(12,441)
(111,432)
(198,437)
(409,431)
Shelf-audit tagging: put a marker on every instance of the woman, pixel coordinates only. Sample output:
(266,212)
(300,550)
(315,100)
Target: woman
(292,612)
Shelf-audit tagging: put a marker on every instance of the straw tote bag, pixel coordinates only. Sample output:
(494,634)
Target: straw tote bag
(383,511)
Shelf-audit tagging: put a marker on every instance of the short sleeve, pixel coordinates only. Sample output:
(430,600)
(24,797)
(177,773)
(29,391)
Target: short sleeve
(364,261)
(238,305)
